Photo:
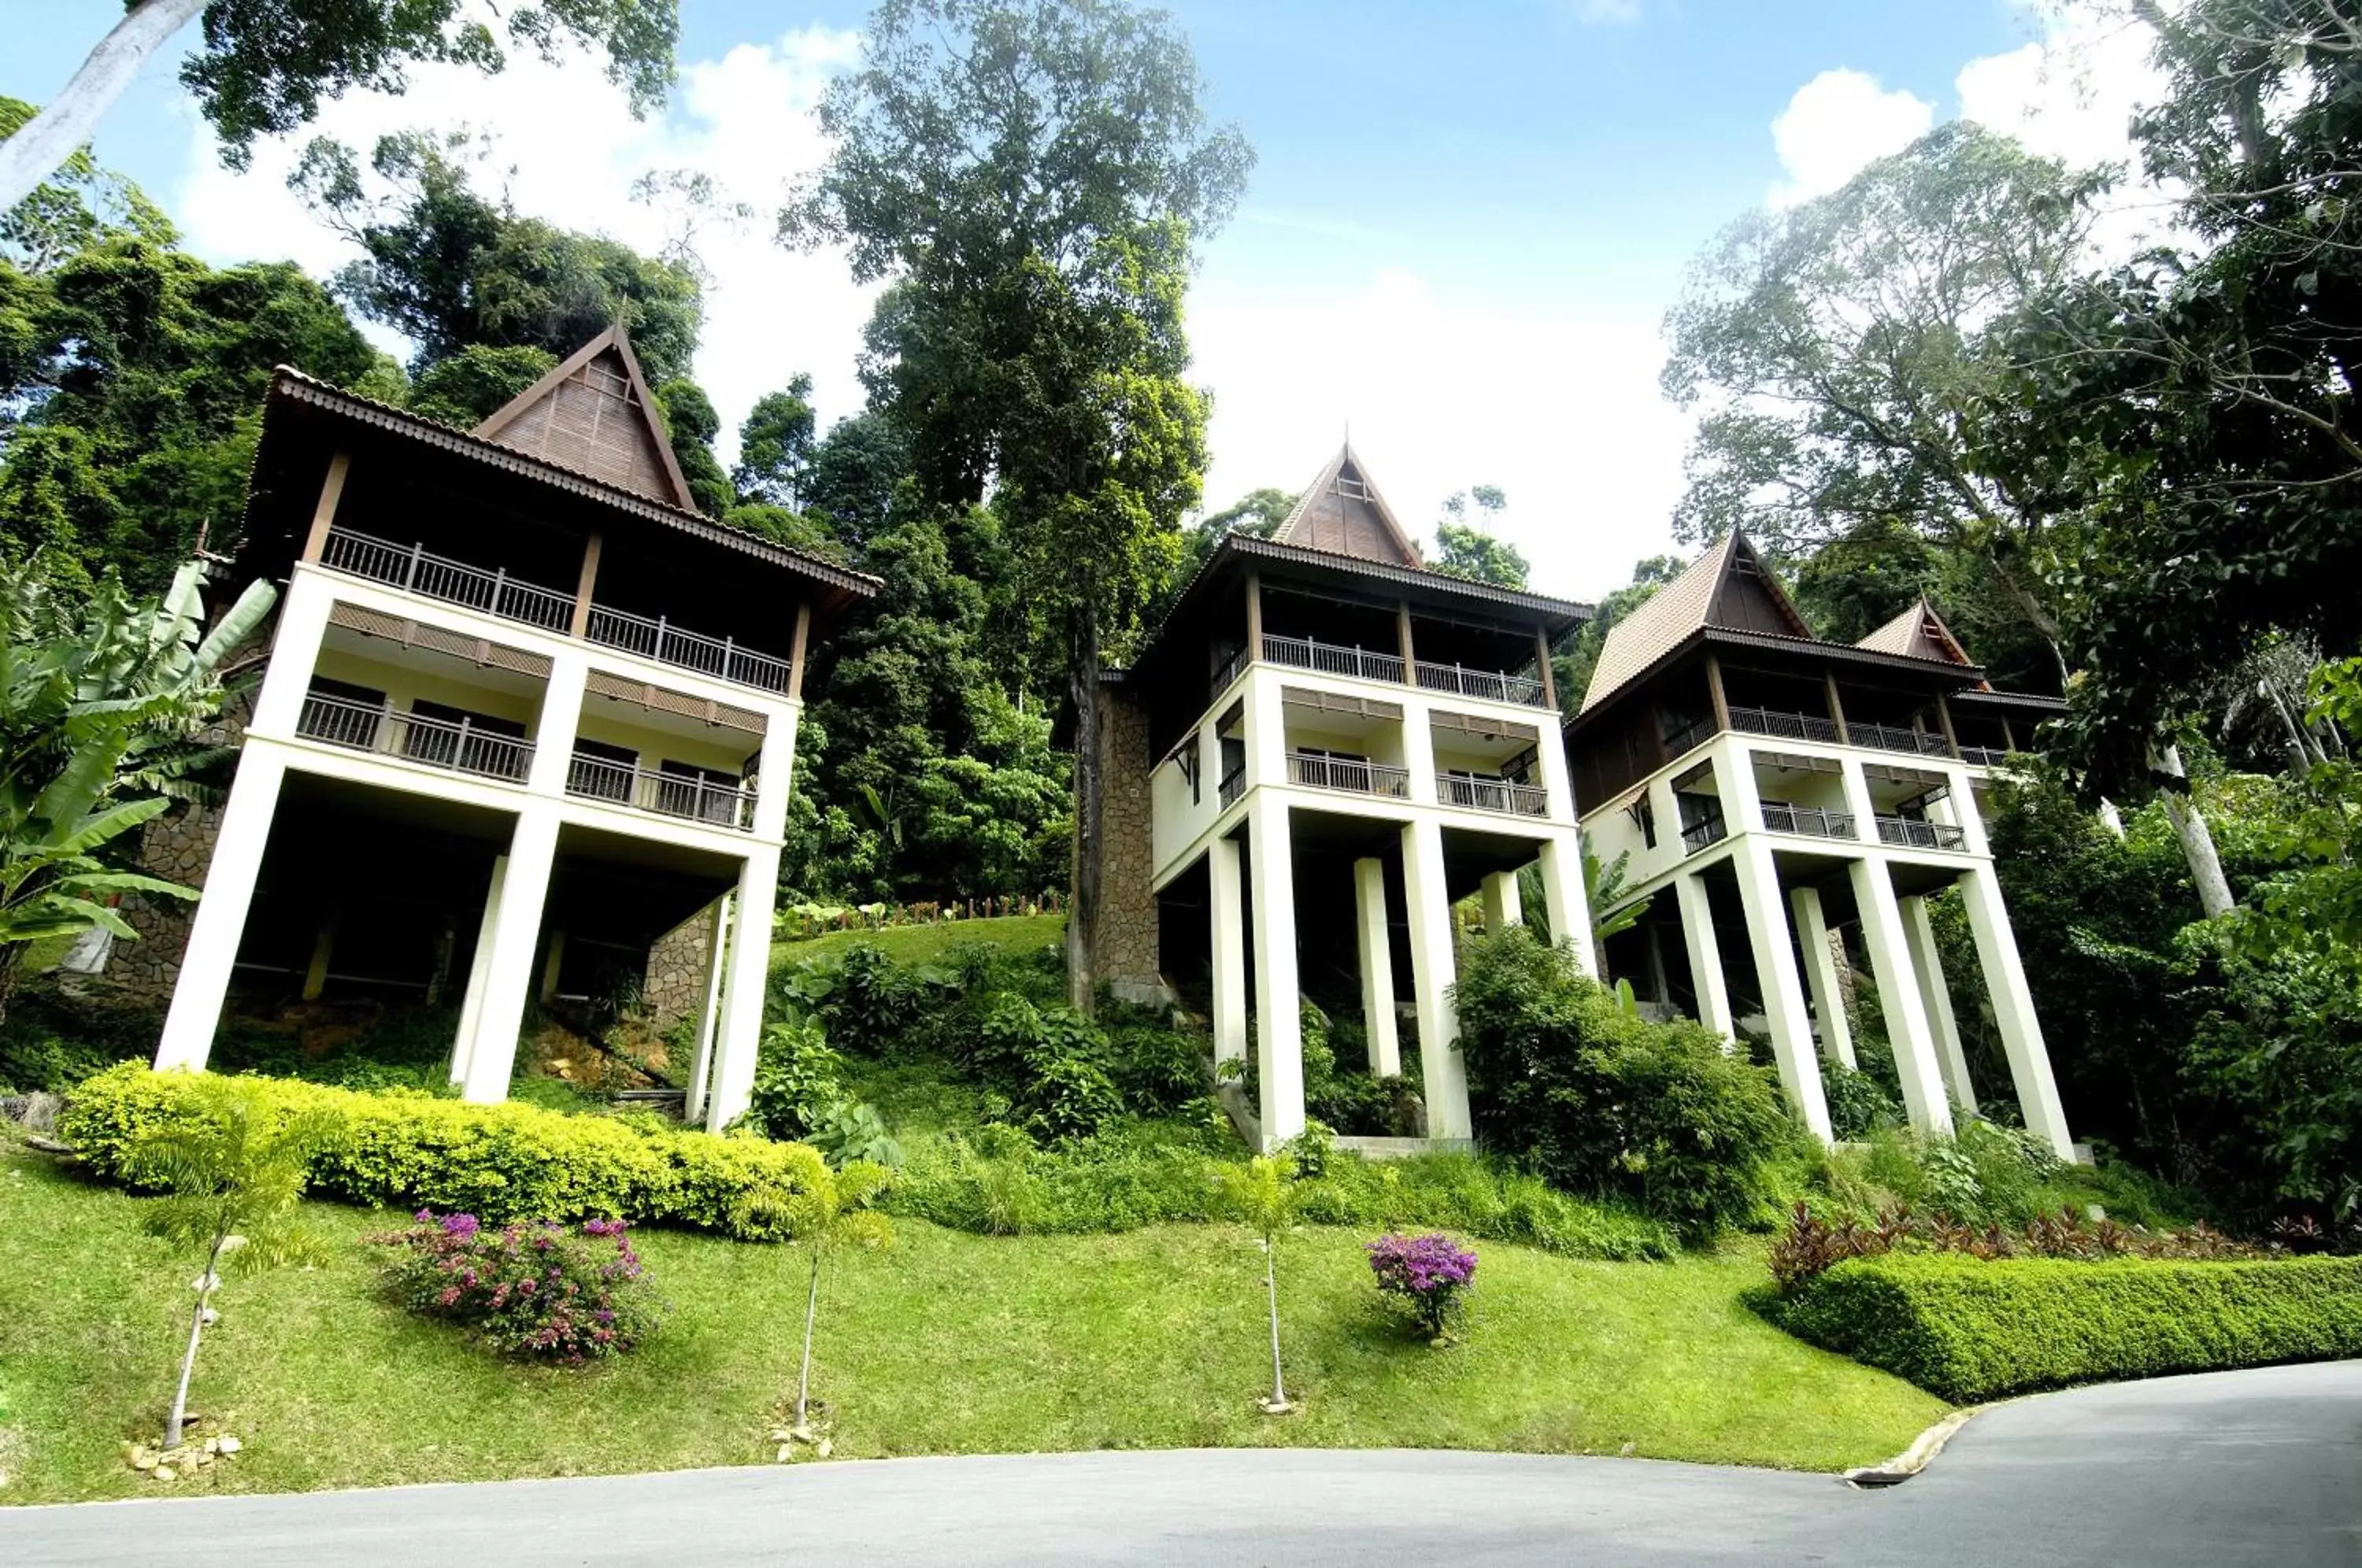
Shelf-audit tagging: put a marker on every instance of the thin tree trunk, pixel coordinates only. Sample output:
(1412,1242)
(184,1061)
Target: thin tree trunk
(176,1426)
(50,137)
(811,1311)
(2197,841)
(1090,786)
(1271,1290)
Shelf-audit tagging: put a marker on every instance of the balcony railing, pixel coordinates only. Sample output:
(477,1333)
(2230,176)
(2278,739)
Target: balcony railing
(1360,778)
(412,569)
(695,798)
(1233,785)
(1495,795)
(1913,835)
(456,743)
(1888,737)
(1810,821)
(1490,685)
(1303,653)
(1698,834)
(1789,726)
(1689,737)
(667,644)
(1984,756)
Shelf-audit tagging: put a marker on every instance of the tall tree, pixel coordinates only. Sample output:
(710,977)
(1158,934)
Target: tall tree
(1029,176)
(264,65)
(76,207)
(1471,549)
(776,444)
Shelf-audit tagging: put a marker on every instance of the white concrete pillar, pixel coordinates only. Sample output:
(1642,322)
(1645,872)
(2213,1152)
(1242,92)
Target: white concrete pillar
(1279,1021)
(471,1005)
(560,717)
(1706,953)
(1919,934)
(709,1017)
(552,962)
(1557,782)
(1899,998)
(507,959)
(1418,751)
(1444,1080)
(220,920)
(1265,726)
(1377,968)
(747,978)
(1226,903)
(1504,907)
(1782,988)
(2013,1005)
(776,771)
(1821,974)
(1566,904)
(295,653)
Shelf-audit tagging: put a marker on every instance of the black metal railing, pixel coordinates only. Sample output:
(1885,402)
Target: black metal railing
(658,639)
(1889,737)
(1984,756)
(1339,773)
(1329,659)
(694,798)
(459,744)
(1690,736)
(1490,685)
(414,569)
(1708,829)
(1233,785)
(1789,726)
(1811,821)
(1915,834)
(1495,795)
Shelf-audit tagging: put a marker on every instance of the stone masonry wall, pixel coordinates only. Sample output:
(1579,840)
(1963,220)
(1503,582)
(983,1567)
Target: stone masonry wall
(179,847)
(1128,929)
(675,987)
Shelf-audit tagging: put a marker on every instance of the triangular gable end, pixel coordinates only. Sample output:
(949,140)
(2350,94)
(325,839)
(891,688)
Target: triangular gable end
(594,414)
(1919,632)
(1749,599)
(1343,513)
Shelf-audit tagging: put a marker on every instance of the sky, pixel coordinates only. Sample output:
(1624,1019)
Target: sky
(1463,232)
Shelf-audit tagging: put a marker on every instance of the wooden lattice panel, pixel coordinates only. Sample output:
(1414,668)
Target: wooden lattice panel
(413,634)
(661,699)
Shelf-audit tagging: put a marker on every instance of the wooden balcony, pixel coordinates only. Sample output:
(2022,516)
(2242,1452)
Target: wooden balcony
(1365,664)
(456,745)
(1505,795)
(1355,778)
(1910,834)
(696,799)
(1810,821)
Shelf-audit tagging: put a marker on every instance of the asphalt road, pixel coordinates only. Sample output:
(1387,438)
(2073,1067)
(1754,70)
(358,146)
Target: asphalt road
(2262,1466)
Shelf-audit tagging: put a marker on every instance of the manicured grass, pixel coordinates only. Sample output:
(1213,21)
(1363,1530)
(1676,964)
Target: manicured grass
(951,1343)
(918,943)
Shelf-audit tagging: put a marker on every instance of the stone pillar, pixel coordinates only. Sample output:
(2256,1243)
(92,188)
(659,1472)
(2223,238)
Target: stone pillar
(708,1016)
(1899,998)
(1227,904)
(1279,1022)
(1919,936)
(1706,953)
(1783,989)
(1566,904)
(2013,1005)
(1503,908)
(1821,974)
(220,920)
(1443,1079)
(471,1003)
(740,1036)
(1377,968)
(507,960)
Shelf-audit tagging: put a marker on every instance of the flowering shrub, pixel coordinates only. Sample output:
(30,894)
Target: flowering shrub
(1431,1273)
(538,1291)
(1812,1246)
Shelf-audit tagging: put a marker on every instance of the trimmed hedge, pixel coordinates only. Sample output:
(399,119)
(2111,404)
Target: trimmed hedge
(501,1163)
(1971,1330)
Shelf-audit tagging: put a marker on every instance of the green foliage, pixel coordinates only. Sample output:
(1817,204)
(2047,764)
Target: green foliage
(498,1161)
(1859,1104)
(1598,1101)
(1470,549)
(799,1079)
(776,445)
(1972,1331)
(691,425)
(78,205)
(852,1132)
(1579,656)
(1058,1058)
(475,383)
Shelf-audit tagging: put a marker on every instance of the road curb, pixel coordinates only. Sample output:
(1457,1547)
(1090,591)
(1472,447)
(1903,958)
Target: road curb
(1913,1460)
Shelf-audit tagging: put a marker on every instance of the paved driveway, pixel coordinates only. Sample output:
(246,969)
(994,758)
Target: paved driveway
(2262,1467)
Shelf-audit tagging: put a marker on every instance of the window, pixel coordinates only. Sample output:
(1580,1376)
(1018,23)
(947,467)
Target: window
(1643,812)
(601,771)
(1188,759)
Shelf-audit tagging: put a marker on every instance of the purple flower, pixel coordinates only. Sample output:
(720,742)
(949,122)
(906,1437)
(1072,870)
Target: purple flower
(1432,1272)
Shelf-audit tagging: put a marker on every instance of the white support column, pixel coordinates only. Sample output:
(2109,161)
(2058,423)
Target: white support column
(2013,1005)
(1444,1078)
(552,962)
(507,959)
(1783,989)
(1557,782)
(294,654)
(1899,998)
(1706,953)
(220,920)
(560,716)
(1266,729)
(776,771)
(1377,968)
(1279,1021)
(471,1007)
(709,1017)
(1919,932)
(1821,974)
(1227,904)
(748,977)
(1418,751)
(1564,903)
(1503,905)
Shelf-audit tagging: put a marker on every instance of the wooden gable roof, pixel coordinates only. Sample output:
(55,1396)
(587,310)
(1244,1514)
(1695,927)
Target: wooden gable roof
(1729,587)
(1917,633)
(1341,512)
(594,414)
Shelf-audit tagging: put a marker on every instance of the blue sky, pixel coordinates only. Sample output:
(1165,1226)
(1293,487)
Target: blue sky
(1464,228)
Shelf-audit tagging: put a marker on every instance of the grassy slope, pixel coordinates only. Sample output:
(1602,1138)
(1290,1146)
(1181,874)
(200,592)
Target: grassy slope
(916,944)
(951,1343)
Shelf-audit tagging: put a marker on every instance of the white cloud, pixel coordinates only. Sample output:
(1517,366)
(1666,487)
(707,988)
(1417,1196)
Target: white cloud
(567,149)
(1836,125)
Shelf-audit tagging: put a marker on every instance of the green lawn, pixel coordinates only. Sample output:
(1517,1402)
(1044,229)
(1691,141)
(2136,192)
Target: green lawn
(916,944)
(950,1344)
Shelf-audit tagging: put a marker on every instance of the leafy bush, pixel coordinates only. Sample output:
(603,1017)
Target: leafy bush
(506,1161)
(850,1131)
(540,1291)
(1810,1246)
(1433,1273)
(1598,1100)
(1858,1103)
(1982,1173)
(1969,1330)
(1056,1056)
(798,1078)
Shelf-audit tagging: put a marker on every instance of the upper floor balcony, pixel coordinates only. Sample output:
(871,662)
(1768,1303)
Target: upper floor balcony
(1366,664)
(415,570)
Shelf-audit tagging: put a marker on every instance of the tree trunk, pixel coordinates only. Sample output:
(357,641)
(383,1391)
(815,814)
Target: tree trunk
(811,1311)
(1090,786)
(1271,1290)
(2197,841)
(176,1424)
(49,137)
(12,966)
